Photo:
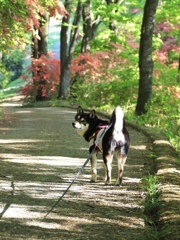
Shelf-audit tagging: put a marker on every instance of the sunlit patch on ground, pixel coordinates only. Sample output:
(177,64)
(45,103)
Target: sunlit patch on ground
(40,158)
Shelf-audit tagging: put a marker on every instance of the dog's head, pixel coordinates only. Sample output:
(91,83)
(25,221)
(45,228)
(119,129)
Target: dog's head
(83,120)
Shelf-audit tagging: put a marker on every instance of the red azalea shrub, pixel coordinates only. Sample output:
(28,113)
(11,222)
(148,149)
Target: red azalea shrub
(45,78)
(98,66)
(110,73)
(169,52)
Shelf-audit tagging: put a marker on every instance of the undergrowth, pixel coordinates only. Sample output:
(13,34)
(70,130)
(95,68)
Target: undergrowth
(151,205)
(163,115)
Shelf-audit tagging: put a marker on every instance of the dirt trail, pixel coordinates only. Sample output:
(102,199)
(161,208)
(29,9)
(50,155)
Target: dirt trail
(40,154)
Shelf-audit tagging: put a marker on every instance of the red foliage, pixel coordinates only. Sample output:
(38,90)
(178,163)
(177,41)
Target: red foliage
(27,18)
(58,9)
(170,43)
(45,78)
(34,7)
(97,66)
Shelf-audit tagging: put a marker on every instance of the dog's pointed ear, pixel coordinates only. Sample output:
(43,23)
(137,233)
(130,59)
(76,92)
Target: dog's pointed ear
(79,110)
(92,114)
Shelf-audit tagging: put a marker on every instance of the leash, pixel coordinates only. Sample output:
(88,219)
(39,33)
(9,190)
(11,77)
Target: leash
(77,175)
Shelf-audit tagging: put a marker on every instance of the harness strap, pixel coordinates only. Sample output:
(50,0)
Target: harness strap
(94,135)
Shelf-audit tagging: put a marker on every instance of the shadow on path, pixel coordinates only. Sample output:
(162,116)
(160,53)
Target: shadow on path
(41,152)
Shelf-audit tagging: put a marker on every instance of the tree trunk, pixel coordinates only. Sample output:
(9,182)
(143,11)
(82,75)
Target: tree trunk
(178,75)
(43,34)
(39,46)
(64,87)
(113,23)
(34,47)
(67,46)
(145,58)
(65,80)
(89,26)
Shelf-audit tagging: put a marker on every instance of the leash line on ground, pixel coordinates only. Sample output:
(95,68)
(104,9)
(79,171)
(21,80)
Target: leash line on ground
(77,175)
(75,178)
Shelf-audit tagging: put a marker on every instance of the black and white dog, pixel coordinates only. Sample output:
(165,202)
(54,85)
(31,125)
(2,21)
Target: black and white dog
(108,138)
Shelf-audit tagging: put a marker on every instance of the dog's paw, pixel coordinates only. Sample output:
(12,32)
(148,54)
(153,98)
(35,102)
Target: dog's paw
(107,182)
(118,182)
(93,178)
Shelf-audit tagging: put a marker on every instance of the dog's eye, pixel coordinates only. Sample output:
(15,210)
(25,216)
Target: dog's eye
(77,118)
(82,121)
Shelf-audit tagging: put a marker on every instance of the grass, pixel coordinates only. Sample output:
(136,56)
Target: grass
(12,89)
(151,205)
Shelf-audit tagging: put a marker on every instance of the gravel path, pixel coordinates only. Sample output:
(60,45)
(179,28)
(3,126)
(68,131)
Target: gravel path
(40,154)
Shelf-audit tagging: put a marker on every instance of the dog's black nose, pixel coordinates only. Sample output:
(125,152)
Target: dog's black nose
(73,124)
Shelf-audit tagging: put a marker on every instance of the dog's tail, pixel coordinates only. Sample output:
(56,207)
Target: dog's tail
(117,119)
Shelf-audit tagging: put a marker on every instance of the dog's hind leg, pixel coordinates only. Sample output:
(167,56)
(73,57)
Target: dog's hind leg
(108,163)
(121,159)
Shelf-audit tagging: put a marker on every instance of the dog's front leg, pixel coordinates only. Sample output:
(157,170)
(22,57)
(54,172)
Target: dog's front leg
(93,167)
(93,163)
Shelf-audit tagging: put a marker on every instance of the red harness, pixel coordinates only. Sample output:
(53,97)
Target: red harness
(94,135)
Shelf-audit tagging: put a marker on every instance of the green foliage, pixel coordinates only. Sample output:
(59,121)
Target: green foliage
(151,204)
(20,18)
(118,81)
(117,84)
(4,75)
(11,28)
(112,75)
(168,10)
(12,88)
(11,67)
(164,113)
(150,186)
(14,63)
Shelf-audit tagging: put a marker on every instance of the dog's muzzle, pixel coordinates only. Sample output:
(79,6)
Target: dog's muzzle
(73,124)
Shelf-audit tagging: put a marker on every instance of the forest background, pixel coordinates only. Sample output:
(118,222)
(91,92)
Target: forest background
(99,57)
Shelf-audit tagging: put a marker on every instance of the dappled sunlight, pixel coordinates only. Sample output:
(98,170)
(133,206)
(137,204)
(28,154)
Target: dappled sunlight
(10,104)
(171,217)
(68,222)
(9,141)
(162,142)
(37,166)
(6,129)
(19,211)
(24,111)
(46,160)
(49,225)
(168,170)
(82,194)
(170,192)
(76,222)
(138,147)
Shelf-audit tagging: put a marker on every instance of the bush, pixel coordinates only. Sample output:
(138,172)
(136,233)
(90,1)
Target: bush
(14,64)
(104,80)
(43,83)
